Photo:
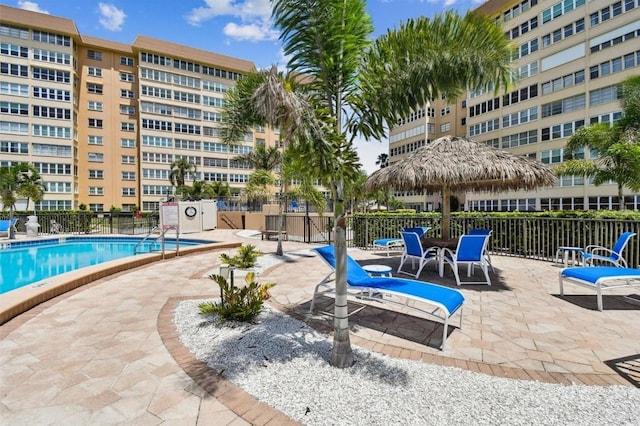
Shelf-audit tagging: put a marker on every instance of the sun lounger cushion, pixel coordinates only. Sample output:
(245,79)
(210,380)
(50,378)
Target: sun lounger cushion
(446,300)
(600,277)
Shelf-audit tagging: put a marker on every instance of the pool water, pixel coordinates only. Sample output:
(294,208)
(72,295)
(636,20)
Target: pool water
(29,262)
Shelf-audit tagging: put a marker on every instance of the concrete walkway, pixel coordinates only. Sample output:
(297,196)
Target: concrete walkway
(107,353)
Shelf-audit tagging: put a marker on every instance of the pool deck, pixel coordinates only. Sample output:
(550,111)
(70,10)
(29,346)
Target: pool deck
(107,351)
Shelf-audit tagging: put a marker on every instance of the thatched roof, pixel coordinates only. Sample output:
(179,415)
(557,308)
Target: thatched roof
(461,165)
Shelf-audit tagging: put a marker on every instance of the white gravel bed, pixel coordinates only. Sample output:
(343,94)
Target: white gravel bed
(285,364)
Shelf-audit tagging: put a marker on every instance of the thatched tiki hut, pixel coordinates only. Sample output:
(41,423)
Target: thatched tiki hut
(453,164)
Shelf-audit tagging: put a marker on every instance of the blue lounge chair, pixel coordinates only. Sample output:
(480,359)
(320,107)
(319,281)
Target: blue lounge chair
(442,302)
(389,244)
(471,251)
(600,278)
(6,224)
(594,254)
(413,250)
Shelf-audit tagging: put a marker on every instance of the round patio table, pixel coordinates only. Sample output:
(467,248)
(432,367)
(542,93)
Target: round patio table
(378,270)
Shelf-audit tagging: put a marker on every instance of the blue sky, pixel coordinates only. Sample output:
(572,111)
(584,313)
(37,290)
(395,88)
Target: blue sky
(239,28)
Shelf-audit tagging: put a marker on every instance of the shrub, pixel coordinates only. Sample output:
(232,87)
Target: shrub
(246,257)
(238,303)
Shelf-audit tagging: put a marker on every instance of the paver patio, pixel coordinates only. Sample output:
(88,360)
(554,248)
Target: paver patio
(108,352)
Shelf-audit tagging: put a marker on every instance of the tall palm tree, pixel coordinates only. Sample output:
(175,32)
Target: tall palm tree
(179,170)
(19,180)
(270,97)
(382,160)
(364,86)
(616,147)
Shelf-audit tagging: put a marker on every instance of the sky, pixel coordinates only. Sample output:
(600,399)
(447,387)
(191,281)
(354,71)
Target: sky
(238,28)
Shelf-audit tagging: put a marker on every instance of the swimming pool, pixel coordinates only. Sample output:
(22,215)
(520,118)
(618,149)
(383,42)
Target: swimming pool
(27,262)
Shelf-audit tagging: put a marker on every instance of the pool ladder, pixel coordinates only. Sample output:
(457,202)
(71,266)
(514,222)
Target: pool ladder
(161,236)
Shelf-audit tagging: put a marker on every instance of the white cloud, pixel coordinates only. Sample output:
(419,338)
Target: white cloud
(111,18)
(250,32)
(32,6)
(251,18)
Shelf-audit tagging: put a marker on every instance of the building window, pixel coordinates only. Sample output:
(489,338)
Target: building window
(94,54)
(95,122)
(445,127)
(124,60)
(96,207)
(95,140)
(127,94)
(94,106)
(127,127)
(128,175)
(96,174)
(96,157)
(96,190)
(127,109)
(94,88)
(128,159)
(127,143)
(128,192)
(128,77)
(94,72)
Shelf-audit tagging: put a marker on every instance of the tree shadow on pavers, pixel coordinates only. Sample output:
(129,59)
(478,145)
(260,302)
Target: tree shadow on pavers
(278,339)
(609,302)
(627,367)
(382,318)
(430,274)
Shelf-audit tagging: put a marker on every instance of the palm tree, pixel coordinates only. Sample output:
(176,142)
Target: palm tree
(364,86)
(270,97)
(179,170)
(263,158)
(616,147)
(382,160)
(19,180)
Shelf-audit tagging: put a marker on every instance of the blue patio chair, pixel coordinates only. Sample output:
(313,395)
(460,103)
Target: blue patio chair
(470,252)
(413,250)
(420,230)
(598,254)
(442,302)
(483,231)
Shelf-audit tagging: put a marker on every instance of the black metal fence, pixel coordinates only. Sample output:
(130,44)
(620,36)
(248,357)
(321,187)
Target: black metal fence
(86,222)
(532,237)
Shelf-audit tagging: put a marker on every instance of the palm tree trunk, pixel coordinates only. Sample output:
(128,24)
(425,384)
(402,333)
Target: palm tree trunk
(281,219)
(621,205)
(446,213)
(341,353)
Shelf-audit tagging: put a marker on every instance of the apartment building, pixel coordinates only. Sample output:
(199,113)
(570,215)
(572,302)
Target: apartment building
(571,55)
(103,121)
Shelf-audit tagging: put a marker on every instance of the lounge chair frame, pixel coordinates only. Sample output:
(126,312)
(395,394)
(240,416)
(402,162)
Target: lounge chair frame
(599,278)
(596,253)
(379,289)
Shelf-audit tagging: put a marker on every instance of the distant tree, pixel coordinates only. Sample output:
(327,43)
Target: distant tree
(383,160)
(616,147)
(262,158)
(180,168)
(19,180)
